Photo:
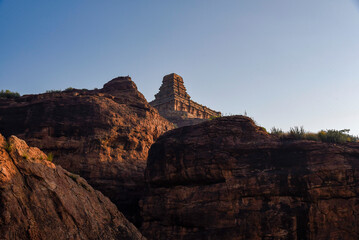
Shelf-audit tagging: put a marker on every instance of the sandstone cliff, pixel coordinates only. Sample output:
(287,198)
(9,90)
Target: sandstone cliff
(228,179)
(103,135)
(39,200)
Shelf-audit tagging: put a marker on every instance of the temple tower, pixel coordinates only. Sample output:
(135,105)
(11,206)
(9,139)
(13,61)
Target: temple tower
(173,100)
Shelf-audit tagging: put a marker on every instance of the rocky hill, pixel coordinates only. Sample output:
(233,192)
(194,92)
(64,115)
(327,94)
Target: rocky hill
(39,200)
(103,135)
(228,179)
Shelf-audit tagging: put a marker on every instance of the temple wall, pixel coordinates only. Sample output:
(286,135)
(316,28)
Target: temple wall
(189,106)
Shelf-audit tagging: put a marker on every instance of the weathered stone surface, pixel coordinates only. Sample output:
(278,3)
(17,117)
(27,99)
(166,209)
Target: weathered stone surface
(103,135)
(174,103)
(39,200)
(227,179)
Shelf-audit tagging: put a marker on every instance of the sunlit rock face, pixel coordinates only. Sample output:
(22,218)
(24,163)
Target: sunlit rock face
(228,179)
(103,135)
(39,200)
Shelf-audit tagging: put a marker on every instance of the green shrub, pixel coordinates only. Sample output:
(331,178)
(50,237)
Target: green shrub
(50,157)
(69,89)
(297,133)
(311,136)
(276,131)
(213,117)
(330,136)
(53,91)
(8,94)
(8,147)
(336,136)
(262,128)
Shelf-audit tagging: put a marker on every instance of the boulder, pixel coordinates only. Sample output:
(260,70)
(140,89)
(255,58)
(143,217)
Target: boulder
(228,179)
(39,200)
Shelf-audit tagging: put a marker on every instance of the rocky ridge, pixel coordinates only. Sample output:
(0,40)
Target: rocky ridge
(39,200)
(228,179)
(103,135)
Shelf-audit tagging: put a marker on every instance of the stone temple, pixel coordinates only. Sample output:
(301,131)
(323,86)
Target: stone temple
(174,103)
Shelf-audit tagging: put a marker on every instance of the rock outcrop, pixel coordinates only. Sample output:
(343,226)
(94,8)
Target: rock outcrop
(174,103)
(228,179)
(39,200)
(103,135)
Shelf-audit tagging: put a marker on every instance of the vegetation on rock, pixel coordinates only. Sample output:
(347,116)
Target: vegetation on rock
(329,135)
(8,94)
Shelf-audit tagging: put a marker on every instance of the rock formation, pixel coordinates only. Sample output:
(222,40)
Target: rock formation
(103,135)
(174,103)
(39,200)
(228,179)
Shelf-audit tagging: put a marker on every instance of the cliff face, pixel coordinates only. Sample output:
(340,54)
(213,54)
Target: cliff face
(227,179)
(39,200)
(103,135)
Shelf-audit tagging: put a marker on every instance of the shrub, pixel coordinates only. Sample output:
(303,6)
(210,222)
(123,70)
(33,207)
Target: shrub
(311,136)
(276,131)
(69,89)
(8,94)
(330,136)
(8,147)
(50,157)
(213,117)
(53,91)
(336,136)
(262,128)
(297,133)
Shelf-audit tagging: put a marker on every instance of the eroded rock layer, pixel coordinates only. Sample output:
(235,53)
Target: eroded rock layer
(39,200)
(228,179)
(103,135)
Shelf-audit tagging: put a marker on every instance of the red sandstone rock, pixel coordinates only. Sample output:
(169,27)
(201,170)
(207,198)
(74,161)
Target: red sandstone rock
(39,200)
(103,135)
(228,179)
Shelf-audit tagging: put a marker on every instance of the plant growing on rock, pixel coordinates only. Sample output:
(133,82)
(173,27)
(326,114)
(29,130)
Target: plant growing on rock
(330,136)
(53,91)
(8,94)
(50,157)
(297,132)
(8,147)
(276,132)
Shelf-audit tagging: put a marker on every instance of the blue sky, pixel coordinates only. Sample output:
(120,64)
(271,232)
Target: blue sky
(285,62)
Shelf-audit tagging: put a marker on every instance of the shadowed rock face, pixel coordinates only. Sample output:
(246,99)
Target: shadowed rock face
(39,200)
(103,135)
(227,179)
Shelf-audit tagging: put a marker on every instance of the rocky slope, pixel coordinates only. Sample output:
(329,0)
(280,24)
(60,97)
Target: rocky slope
(103,135)
(228,179)
(39,200)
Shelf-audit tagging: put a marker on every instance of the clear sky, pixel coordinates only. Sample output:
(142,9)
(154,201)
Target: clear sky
(285,62)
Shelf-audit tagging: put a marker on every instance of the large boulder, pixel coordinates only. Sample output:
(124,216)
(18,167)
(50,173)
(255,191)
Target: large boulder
(103,135)
(39,200)
(228,179)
